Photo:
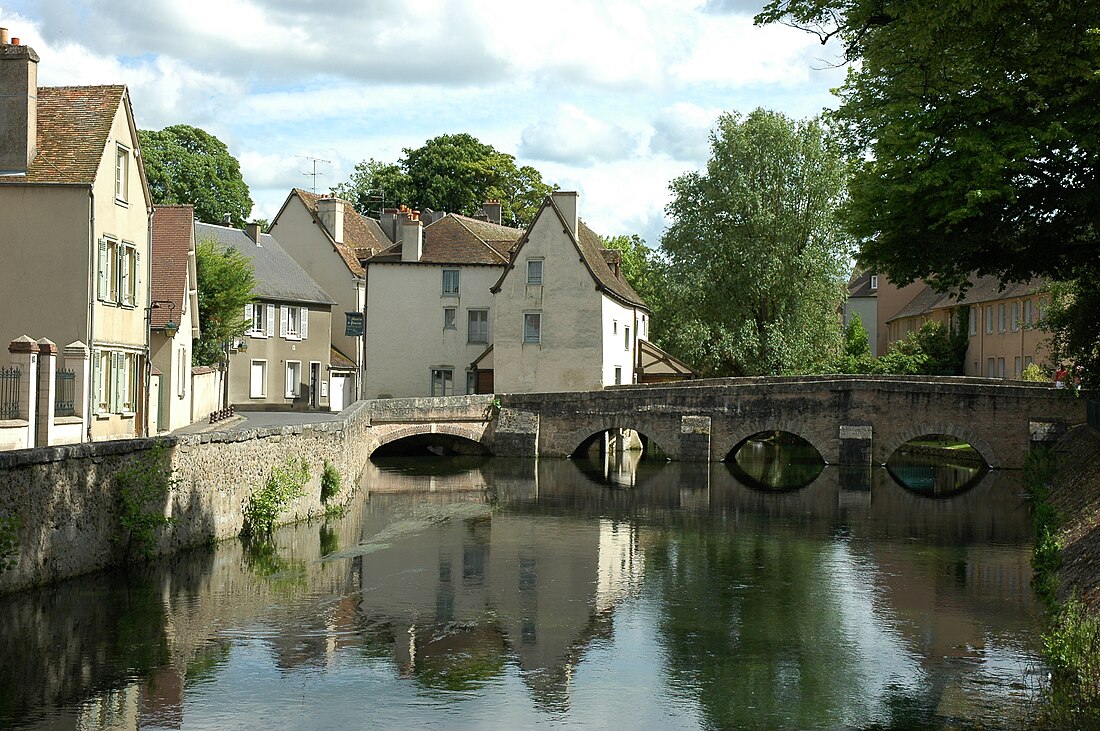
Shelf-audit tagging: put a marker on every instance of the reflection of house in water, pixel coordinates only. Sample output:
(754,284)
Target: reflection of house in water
(462,599)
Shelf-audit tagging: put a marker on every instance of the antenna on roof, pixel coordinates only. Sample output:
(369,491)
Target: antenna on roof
(376,195)
(314,174)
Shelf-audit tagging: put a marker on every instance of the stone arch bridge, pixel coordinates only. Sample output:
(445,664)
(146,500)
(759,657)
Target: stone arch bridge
(855,420)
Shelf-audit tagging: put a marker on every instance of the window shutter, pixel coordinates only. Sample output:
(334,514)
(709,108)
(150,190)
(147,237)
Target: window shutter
(101,293)
(97,384)
(116,382)
(248,317)
(270,321)
(122,274)
(283,313)
(137,277)
(305,322)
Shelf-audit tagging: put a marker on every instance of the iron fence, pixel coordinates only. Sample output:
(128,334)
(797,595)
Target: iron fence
(64,402)
(10,378)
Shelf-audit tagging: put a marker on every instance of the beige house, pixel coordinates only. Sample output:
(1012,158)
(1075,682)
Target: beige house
(429,304)
(74,212)
(564,317)
(283,362)
(174,316)
(328,239)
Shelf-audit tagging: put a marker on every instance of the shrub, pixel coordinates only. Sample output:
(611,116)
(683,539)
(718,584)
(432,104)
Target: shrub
(286,483)
(1032,372)
(330,482)
(143,486)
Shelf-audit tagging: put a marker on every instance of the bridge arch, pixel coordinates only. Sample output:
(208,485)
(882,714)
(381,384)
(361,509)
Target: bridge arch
(570,440)
(390,433)
(726,446)
(893,442)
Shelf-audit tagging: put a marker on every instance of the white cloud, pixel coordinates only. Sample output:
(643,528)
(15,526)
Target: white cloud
(572,136)
(731,50)
(682,132)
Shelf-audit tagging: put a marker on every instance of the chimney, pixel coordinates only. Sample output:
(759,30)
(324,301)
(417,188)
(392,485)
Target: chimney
(254,231)
(412,237)
(331,213)
(491,209)
(18,106)
(566,201)
(227,219)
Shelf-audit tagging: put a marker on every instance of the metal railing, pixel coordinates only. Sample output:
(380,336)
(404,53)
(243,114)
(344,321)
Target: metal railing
(10,379)
(64,402)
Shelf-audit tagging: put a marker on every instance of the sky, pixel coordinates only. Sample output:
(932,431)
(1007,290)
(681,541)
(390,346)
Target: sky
(611,99)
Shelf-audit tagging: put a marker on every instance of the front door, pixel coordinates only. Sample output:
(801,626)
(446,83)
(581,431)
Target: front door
(314,385)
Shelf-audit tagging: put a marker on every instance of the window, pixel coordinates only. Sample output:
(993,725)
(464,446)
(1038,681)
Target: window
(293,378)
(1016,367)
(991,368)
(1042,312)
(614,327)
(443,382)
(874,281)
(989,319)
(1000,367)
(182,372)
(449,318)
(1015,316)
(471,382)
(1028,360)
(1028,314)
(1001,317)
(618,375)
(973,320)
(260,316)
(127,274)
(478,326)
(450,282)
(534,271)
(118,272)
(532,327)
(108,270)
(294,324)
(257,379)
(115,380)
(122,172)
(626,338)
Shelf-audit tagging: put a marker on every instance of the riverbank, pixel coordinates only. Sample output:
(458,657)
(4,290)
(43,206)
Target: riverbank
(1075,496)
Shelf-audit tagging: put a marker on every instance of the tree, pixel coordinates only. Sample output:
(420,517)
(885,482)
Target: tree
(454,173)
(975,136)
(757,261)
(225,286)
(185,164)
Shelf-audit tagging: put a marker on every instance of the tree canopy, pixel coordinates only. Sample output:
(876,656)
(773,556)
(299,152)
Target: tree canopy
(185,164)
(454,173)
(756,260)
(225,286)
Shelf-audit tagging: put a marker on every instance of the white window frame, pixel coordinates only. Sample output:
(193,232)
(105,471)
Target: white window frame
(446,375)
(533,337)
(874,281)
(108,270)
(293,386)
(252,391)
(122,172)
(451,288)
(471,336)
(450,318)
(257,314)
(294,322)
(535,278)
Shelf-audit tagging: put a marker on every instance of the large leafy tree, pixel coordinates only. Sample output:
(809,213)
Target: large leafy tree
(185,164)
(225,285)
(757,261)
(454,173)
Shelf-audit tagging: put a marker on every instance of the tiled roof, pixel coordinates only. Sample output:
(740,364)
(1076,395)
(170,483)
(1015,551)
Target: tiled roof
(339,361)
(925,301)
(171,244)
(363,237)
(456,239)
(74,123)
(278,276)
(984,289)
(592,249)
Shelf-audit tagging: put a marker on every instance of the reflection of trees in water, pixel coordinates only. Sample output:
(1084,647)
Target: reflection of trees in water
(776,461)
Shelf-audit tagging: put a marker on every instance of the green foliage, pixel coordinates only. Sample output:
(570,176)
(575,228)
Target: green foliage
(454,173)
(330,482)
(265,505)
(930,351)
(10,525)
(756,261)
(1039,469)
(1073,320)
(856,343)
(144,485)
(185,164)
(1032,372)
(1072,649)
(226,281)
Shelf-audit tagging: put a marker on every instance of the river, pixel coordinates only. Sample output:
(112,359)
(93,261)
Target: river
(470,593)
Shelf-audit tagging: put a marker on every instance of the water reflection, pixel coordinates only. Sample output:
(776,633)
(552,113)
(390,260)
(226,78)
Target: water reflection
(776,461)
(527,594)
(935,476)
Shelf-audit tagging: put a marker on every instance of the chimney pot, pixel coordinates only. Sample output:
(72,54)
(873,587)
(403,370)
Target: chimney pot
(3,36)
(15,41)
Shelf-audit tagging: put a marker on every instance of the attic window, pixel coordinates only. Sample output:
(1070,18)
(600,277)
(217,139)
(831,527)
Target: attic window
(874,281)
(122,172)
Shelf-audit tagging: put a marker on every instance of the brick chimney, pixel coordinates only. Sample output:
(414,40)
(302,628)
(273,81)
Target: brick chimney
(566,201)
(331,213)
(412,237)
(18,105)
(492,209)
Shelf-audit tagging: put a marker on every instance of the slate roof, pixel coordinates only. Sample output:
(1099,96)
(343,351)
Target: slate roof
(860,285)
(171,244)
(456,239)
(982,290)
(74,123)
(363,237)
(278,276)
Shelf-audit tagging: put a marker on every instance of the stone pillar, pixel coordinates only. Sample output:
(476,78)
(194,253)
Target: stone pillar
(76,360)
(855,444)
(516,434)
(695,438)
(47,392)
(24,356)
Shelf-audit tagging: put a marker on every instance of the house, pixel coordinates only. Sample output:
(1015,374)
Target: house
(283,361)
(328,238)
(429,303)
(74,217)
(564,316)
(174,314)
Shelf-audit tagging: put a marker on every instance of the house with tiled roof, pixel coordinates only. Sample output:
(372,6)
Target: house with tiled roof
(283,362)
(429,304)
(328,238)
(74,217)
(174,315)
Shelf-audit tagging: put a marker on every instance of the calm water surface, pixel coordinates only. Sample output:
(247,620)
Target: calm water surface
(508,594)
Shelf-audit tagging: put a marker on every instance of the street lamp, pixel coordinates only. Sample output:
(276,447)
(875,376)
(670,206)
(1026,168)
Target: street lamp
(171,327)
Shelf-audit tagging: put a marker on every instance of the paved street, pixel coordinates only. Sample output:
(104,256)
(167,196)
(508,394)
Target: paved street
(256,419)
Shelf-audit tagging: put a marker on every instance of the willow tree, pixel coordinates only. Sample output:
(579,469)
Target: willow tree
(756,260)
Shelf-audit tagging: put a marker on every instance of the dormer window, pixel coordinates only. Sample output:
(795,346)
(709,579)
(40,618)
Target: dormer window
(874,282)
(122,172)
